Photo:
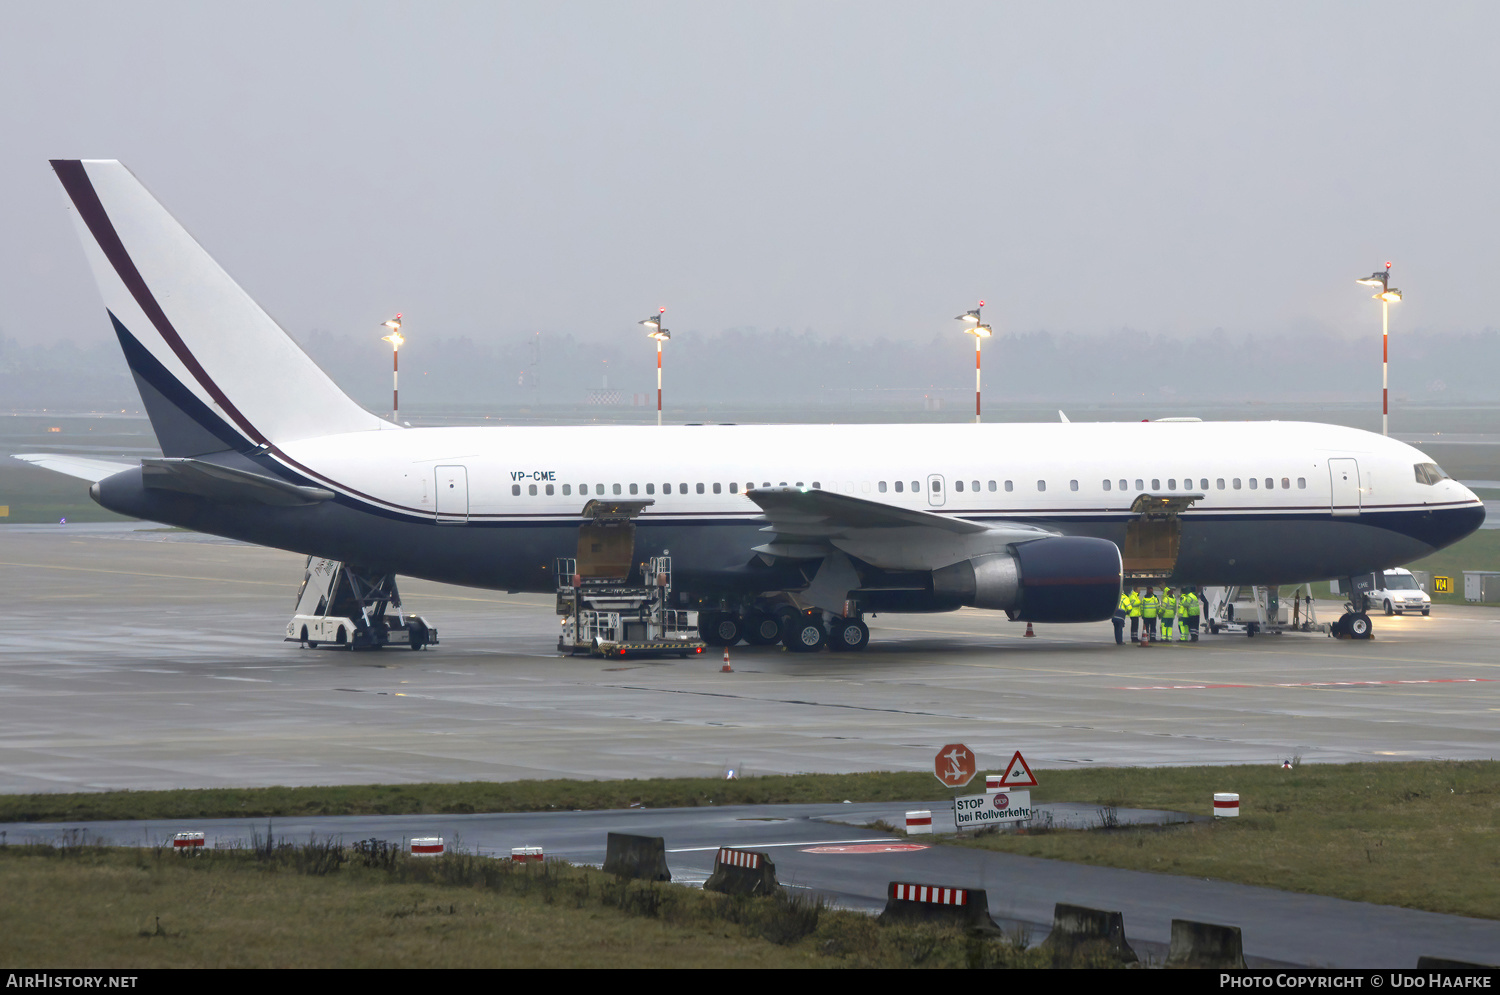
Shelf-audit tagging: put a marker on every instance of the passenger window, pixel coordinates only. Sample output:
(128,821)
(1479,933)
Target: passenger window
(515,490)
(992,487)
(1041,485)
(1155,483)
(682,488)
(1140,484)
(650,489)
(599,488)
(549,490)
(1203,484)
(1286,484)
(818,487)
(635,488)
(1254,483)
(765,484)
(718,488)
(975,486)
(916,485)
(958,485)
(734,487)
(1236,483)
(1171,483)
(1220,483)
(700,488)
(1107,485)
(1009,486)
(1270,483)
(882,486)
(1072,485)
(531,489)
(568,489)
(899,487)
(616,488)
(1301,483)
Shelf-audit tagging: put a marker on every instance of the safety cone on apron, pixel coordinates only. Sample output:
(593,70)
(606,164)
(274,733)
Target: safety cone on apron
(1029,633)
(726,669)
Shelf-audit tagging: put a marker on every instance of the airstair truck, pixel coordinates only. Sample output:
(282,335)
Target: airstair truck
(351,608)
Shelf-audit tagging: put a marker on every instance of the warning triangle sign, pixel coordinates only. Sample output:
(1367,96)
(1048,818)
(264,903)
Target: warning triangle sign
(1018,774)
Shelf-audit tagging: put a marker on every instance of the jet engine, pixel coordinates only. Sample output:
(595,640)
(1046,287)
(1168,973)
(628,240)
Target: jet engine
(1056,579)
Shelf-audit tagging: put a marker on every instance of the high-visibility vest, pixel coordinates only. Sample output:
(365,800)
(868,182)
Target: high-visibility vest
(1168,607)
(1124,608)
(1190,605)
(1135,604)
(1149,604)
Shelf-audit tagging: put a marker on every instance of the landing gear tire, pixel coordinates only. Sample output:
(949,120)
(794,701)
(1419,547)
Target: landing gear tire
(1359,626)
(720,629)
(1389,608)
(848,635)
(804,634)
(762,630)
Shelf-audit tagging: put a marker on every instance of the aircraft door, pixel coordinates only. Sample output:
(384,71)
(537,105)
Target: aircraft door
(937,490)
(452,488)
(1344,476)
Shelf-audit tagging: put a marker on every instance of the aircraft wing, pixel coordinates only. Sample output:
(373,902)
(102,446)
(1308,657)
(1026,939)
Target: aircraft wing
(811,524)
(222,483)
(82,467)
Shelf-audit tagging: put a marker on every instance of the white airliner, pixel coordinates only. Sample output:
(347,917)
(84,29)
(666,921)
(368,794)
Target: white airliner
(771,527)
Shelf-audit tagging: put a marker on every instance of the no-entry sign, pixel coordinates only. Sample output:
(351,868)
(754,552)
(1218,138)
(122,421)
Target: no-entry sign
(955,765)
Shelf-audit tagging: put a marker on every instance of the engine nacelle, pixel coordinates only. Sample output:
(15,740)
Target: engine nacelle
(1057,579)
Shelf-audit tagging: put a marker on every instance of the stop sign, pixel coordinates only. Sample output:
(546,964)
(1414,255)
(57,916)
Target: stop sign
(955,765)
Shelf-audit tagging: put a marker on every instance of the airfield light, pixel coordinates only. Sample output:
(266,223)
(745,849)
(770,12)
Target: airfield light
(1388,295)
(980,331)
(396,342)
(656,328)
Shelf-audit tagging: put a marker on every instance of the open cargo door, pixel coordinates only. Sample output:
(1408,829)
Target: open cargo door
(1153,539)
(606,539)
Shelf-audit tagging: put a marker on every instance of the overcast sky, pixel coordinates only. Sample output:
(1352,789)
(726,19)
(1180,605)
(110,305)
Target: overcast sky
(860,168)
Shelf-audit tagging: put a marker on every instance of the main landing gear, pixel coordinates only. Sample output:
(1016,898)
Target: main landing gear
(1355,622)
(799,632)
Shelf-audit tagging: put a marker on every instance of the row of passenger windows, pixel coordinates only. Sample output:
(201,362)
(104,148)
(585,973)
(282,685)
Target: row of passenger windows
(900,486)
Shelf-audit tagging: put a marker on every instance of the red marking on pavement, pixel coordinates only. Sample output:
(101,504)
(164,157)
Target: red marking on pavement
(867,848)
(1309,684)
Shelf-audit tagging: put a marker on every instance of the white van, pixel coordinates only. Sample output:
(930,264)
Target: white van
(1399,593)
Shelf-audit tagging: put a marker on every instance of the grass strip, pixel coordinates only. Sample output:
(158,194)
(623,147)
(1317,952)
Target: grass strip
(465,797)
(321,905)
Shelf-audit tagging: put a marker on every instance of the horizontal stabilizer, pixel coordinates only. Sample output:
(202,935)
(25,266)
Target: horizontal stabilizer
(221,483)
(82,467)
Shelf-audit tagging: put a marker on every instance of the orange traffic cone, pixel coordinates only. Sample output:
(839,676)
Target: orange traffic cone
(726,669)
(1029,633)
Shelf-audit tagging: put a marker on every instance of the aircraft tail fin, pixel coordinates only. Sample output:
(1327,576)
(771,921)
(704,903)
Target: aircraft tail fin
(214,370)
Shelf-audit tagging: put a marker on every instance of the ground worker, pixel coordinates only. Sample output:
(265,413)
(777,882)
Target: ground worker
(1167,613)
(1135,615)
(1122,611)
(1190,607)
(1149,604)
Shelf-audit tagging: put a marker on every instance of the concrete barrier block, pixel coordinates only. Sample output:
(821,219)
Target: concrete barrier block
(643,857)
(1203,944)
(967,908)
(743,872)
(1079,932)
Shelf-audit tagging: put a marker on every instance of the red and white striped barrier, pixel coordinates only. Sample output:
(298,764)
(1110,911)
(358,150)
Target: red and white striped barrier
(1226,805)
(993,783)
(427,846)
(929,894)
(523,854)
(738,858)
(184,840)
(919,822)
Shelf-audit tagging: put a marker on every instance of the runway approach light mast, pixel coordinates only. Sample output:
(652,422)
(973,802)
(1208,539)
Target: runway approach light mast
(980,331)
(657,329)
(1387,296)
(396,341)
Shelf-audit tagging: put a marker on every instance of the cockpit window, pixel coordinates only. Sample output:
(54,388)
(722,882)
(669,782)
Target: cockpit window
(1429,473)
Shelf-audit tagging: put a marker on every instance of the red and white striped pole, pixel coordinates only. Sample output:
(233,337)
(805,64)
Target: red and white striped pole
(396,341)
(980,331)
(1388,295)
(656,328)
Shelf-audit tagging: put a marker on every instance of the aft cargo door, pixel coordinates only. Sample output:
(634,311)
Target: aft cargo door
(452,488)
(1344,476)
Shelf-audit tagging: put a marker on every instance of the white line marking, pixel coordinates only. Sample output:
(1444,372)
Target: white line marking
(749,846)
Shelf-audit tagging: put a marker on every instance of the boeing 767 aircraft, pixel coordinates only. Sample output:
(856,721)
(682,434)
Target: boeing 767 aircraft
(789,532)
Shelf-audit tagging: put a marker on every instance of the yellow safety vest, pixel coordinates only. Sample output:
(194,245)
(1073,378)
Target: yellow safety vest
(1148,605)
(1135,604)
